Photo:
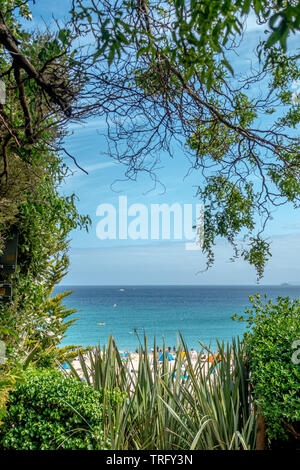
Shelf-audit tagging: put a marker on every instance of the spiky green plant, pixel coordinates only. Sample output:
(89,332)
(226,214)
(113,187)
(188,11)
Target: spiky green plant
(175,405)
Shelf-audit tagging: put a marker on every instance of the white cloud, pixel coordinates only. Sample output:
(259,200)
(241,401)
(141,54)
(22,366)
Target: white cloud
(91,168)
(252,25)
(99,166)
(87,126)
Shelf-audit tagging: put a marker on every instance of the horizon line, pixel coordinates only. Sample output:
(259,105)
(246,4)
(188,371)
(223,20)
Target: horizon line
(180,285)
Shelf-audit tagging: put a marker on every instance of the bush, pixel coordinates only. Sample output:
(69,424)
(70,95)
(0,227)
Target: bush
(49,411)
(275,375)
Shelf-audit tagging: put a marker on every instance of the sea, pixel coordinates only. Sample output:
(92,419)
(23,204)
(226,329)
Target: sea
(198,313)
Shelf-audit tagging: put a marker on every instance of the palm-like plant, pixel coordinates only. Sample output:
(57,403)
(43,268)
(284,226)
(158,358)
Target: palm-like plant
(184,404)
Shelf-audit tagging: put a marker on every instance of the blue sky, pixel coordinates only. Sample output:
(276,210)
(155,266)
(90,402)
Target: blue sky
(100,262)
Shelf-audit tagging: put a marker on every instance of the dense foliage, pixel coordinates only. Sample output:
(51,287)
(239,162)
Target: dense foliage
(271,346)
(49,411)
(32,169)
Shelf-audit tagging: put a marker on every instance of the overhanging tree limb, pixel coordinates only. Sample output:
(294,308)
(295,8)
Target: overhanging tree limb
(20,60)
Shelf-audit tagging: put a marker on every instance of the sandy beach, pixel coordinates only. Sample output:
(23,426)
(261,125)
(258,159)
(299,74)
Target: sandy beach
(132,361)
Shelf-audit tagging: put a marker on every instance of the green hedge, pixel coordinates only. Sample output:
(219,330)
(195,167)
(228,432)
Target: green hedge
(273,357)
(49,411)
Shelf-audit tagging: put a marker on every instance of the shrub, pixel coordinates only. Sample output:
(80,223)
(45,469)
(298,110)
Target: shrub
(50,411)
(49,358)
(275,375)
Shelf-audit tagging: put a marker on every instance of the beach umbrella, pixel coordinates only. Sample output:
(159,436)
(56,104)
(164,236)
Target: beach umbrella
(65,365)
(124,354)
(168,356)
(185,376)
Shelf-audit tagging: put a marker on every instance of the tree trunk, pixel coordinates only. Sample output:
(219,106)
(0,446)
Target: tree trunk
(261,436)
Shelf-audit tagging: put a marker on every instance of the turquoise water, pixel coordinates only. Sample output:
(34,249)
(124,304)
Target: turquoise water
(199,312)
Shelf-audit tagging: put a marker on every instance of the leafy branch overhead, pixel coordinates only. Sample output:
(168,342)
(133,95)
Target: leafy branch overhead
(163,75)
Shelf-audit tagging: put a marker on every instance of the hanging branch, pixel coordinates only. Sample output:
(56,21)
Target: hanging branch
(22,62)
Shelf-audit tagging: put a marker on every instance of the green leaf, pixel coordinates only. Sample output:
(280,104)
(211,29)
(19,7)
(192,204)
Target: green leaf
(111,55)
(227,65)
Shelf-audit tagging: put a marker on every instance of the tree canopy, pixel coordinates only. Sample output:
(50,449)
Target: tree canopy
(162,75)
